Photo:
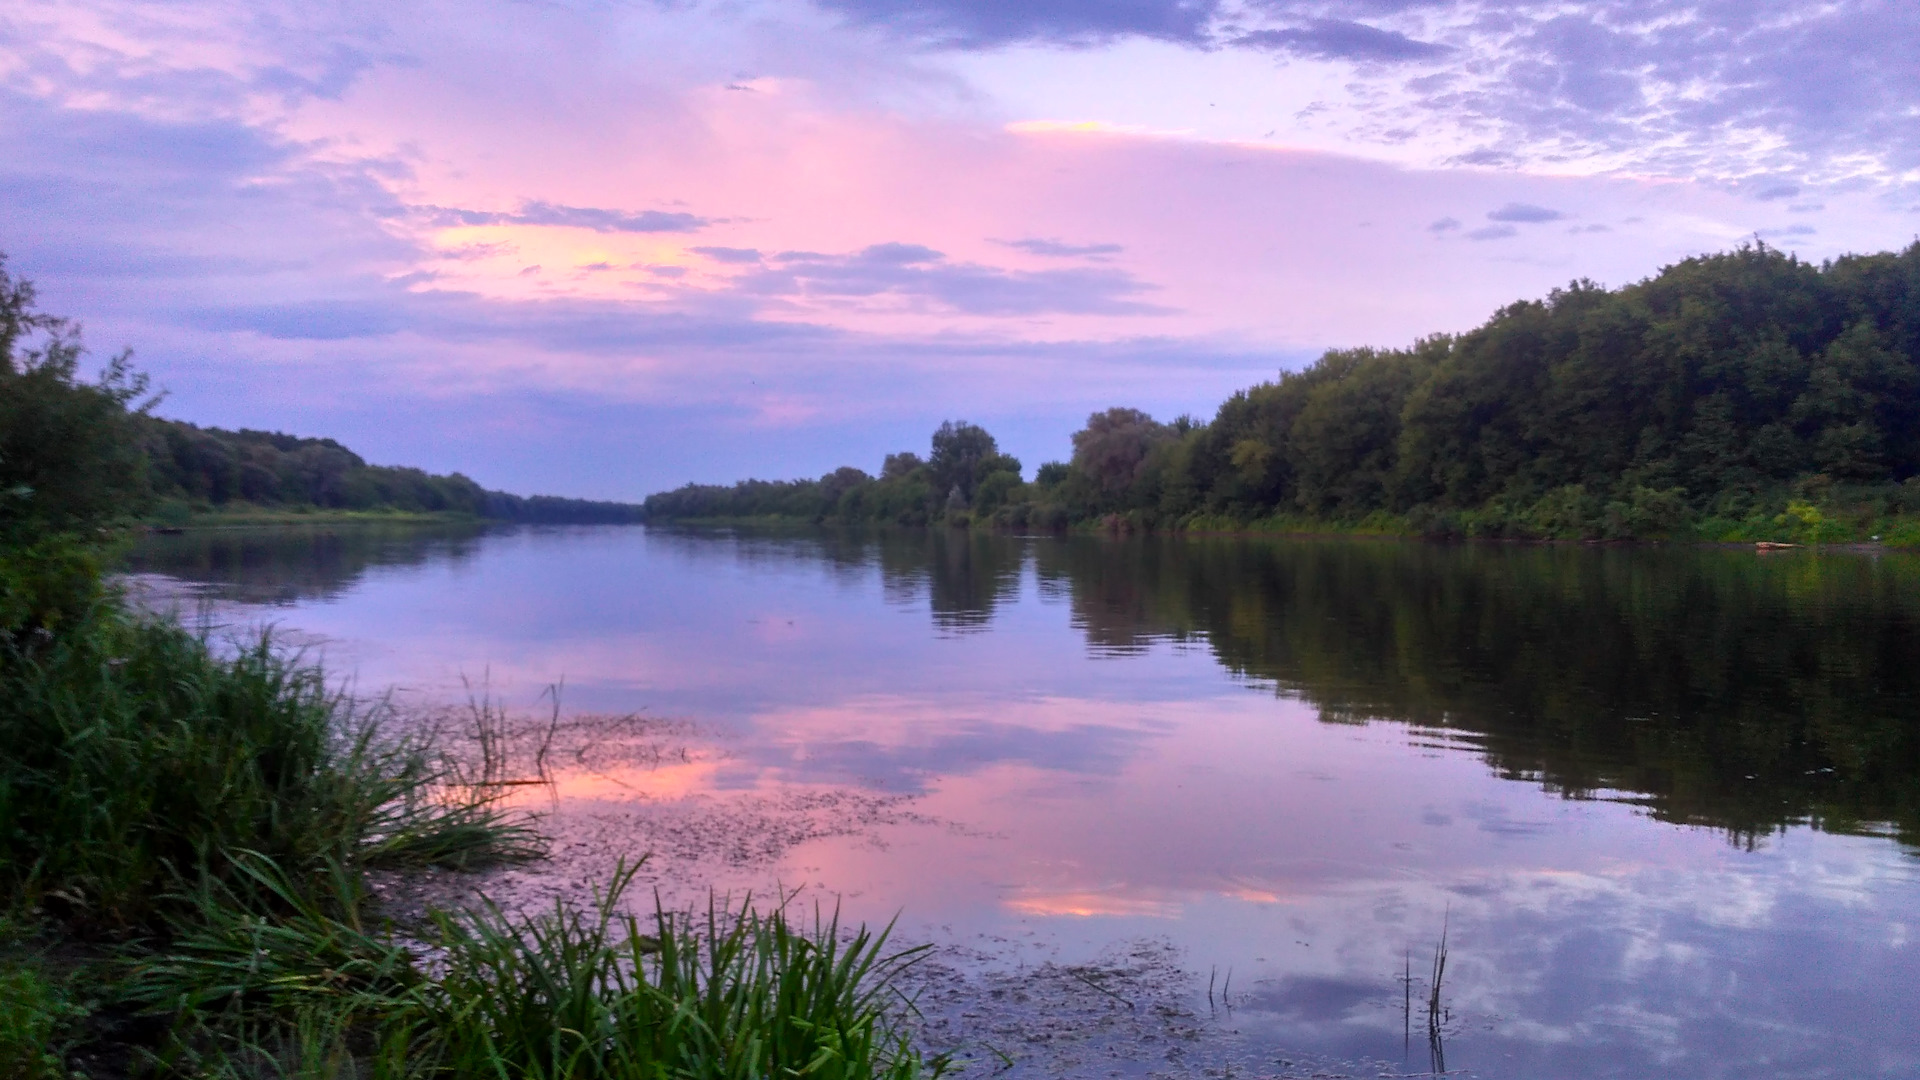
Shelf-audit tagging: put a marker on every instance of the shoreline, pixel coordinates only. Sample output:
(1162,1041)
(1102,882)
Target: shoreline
(1305,532)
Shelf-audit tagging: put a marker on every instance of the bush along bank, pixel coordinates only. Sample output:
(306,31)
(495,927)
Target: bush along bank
(1734,397)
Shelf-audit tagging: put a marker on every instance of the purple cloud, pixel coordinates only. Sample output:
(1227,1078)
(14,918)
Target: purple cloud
(1059,249)
(987,23)
(1337,39)
(733,255)
(596,218)
(916,273)
(1524,212)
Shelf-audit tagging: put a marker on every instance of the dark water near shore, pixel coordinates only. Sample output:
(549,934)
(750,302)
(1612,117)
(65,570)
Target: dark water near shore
(1665,803)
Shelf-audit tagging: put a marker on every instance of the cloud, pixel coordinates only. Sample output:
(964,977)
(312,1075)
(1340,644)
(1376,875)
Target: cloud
(731,255)
(989,23)
(1058,249)
(1524,212)
(534,212)
(919,276)
(1445,224)
(1335,39)
(1493,232)
(1777,191)
(1717,88)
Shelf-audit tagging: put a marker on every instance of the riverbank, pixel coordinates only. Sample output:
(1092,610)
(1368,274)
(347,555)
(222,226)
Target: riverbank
(1814,530)
(189,887)
(248,516)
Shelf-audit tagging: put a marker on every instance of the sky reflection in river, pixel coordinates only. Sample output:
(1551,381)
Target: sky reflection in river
(1294,762)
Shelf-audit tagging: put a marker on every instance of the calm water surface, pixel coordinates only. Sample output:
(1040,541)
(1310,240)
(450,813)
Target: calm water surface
(1664,804)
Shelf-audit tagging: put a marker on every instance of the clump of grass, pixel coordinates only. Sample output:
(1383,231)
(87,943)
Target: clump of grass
(35,1014)
(139,760)
(569,995)
(587,994)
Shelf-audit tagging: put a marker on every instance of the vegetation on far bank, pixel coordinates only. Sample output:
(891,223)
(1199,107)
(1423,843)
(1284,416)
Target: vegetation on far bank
(169,473)
(203,475)
(188,831)
(1741,396)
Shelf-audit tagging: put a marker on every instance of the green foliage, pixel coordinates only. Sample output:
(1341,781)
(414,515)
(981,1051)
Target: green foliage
(35,1020)
(963,479)
(47,583)
(69,462)
(1698,403)
(569,994)
(219,470)
(139,759)
(1636,413)
(588,994)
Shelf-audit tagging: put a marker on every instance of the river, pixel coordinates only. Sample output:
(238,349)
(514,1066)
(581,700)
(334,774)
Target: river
(1209,805)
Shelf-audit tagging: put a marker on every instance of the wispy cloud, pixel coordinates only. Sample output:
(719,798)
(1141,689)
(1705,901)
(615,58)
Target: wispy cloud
(1337,39)
(917,276)
(1524,212)
(1060,249)
(987,23)
(599,219)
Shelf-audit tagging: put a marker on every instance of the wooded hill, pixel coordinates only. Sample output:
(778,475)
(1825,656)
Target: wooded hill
(194,469)
(1742,395)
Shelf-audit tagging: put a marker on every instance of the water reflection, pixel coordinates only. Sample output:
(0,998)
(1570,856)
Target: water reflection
(1714,687)
(1293,761)
(288,564)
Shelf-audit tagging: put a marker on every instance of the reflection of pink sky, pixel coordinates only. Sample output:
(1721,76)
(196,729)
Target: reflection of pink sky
(1245,829)
(1241,799)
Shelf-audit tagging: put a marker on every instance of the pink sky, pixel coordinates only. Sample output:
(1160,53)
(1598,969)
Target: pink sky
(604,249)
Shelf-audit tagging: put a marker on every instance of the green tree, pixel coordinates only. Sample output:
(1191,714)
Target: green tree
(961,455)
(1113,448)
(68,459)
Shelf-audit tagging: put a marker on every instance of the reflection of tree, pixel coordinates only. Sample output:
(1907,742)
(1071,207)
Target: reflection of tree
(961,575)
(283,565)
(1714,686)
(1118,591)
(965,574)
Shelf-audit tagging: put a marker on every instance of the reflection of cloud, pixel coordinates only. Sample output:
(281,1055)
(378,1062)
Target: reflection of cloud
(1088,904)
(935,749)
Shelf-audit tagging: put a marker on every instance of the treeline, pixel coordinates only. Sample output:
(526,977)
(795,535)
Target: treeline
(191,469)
(965,477)
(1745,395)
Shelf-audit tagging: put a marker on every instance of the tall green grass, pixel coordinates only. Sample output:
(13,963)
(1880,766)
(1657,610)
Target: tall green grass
(740,995)
(139,760)
(574,994)
(216,811)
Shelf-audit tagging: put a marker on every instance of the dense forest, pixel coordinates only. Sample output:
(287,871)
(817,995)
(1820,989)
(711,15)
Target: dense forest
(1745,395)
(193,468)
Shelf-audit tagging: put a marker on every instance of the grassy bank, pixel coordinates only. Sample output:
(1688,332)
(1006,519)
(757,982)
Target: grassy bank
(186,839)
(236,515)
